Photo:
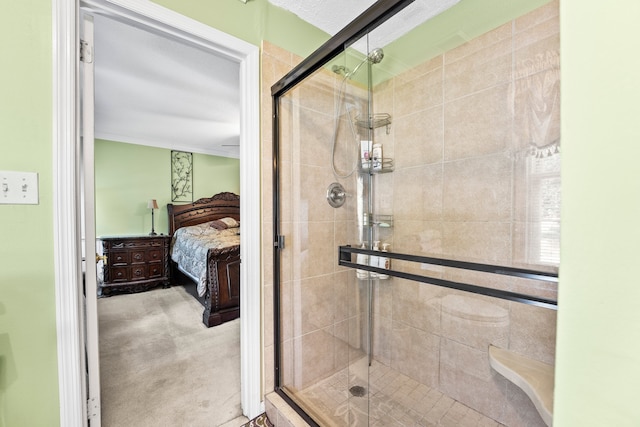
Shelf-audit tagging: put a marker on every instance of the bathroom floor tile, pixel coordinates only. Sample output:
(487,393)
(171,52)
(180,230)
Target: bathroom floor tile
(393,400)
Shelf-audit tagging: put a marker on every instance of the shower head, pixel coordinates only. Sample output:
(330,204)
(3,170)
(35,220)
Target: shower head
(374,57)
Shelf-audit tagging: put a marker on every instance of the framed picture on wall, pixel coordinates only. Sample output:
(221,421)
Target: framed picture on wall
(181,176)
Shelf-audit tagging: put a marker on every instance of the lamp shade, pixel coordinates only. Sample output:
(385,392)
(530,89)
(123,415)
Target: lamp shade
(152,204)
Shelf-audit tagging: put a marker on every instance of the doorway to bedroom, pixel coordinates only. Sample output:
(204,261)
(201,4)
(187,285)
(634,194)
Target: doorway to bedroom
(132,166)
(151,94)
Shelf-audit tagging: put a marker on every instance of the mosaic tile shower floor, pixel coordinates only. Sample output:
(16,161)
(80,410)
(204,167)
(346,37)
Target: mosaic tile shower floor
(395,400)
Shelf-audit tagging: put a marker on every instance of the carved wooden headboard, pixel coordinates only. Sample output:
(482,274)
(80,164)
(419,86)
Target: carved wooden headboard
(203,210)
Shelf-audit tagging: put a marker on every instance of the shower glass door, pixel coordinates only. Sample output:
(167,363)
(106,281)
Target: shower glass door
(324,202)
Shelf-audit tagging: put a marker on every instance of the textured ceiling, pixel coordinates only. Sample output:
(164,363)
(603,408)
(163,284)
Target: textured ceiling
(333,15)
(328,15)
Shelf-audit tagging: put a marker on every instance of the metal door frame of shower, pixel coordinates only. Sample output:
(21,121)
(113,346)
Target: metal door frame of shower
(377,14)
(371,18)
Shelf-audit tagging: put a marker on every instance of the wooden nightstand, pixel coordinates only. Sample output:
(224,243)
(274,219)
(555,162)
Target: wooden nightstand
(134,263)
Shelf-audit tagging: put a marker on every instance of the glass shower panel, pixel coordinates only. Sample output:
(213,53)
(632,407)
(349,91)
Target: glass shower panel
(324,320)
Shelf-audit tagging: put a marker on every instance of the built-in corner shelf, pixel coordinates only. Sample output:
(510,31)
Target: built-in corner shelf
(535,378)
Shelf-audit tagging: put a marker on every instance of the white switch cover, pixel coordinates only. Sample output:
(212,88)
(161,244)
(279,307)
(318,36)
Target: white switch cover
(18,188)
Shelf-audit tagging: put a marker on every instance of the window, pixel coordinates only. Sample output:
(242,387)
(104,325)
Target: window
(544,207)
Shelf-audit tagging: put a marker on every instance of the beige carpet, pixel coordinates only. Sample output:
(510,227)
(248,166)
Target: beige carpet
(160,366)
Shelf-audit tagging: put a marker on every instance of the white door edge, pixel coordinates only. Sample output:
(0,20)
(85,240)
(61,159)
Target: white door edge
(67,202)
(87,177)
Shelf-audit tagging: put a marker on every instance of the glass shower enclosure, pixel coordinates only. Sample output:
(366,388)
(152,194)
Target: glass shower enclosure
(416,217)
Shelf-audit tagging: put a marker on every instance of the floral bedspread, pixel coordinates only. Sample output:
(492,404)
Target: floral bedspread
(190,246)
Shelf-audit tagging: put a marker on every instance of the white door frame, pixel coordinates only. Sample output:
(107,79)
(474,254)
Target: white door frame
(66,198)
(87,188)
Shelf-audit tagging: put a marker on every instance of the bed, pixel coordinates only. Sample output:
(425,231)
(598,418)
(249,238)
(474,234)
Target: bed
(218,275)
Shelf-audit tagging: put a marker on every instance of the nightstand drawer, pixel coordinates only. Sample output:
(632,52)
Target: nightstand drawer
(119,258)
(138,272)
(155,270)
(118,274)
(154,255)
(138,256)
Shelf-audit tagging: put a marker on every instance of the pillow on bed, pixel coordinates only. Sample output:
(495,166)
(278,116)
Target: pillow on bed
(224,223)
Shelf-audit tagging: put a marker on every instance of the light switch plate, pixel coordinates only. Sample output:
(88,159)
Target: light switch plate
(18,188)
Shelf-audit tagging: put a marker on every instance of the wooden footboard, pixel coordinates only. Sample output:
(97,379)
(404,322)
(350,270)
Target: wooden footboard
(222,297)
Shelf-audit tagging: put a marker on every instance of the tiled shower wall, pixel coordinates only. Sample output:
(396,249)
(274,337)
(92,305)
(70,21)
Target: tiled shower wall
(462,128)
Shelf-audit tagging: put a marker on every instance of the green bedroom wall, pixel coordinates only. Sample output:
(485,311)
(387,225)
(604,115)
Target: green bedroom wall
(598,351)
(128,175)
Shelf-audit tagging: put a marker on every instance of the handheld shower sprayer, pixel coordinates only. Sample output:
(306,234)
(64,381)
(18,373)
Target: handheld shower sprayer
(374,57)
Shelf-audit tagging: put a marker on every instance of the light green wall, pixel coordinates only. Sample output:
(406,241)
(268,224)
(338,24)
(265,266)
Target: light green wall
(128,175)
(598,345)
(28,361)
(253,22)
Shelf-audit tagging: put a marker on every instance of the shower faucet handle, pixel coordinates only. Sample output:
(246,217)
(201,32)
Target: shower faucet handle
(336,195)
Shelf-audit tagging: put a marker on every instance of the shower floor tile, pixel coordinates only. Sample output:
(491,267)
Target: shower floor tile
(394,400)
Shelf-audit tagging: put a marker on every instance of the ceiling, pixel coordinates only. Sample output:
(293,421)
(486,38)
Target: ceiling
(333,15)
(158,91)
